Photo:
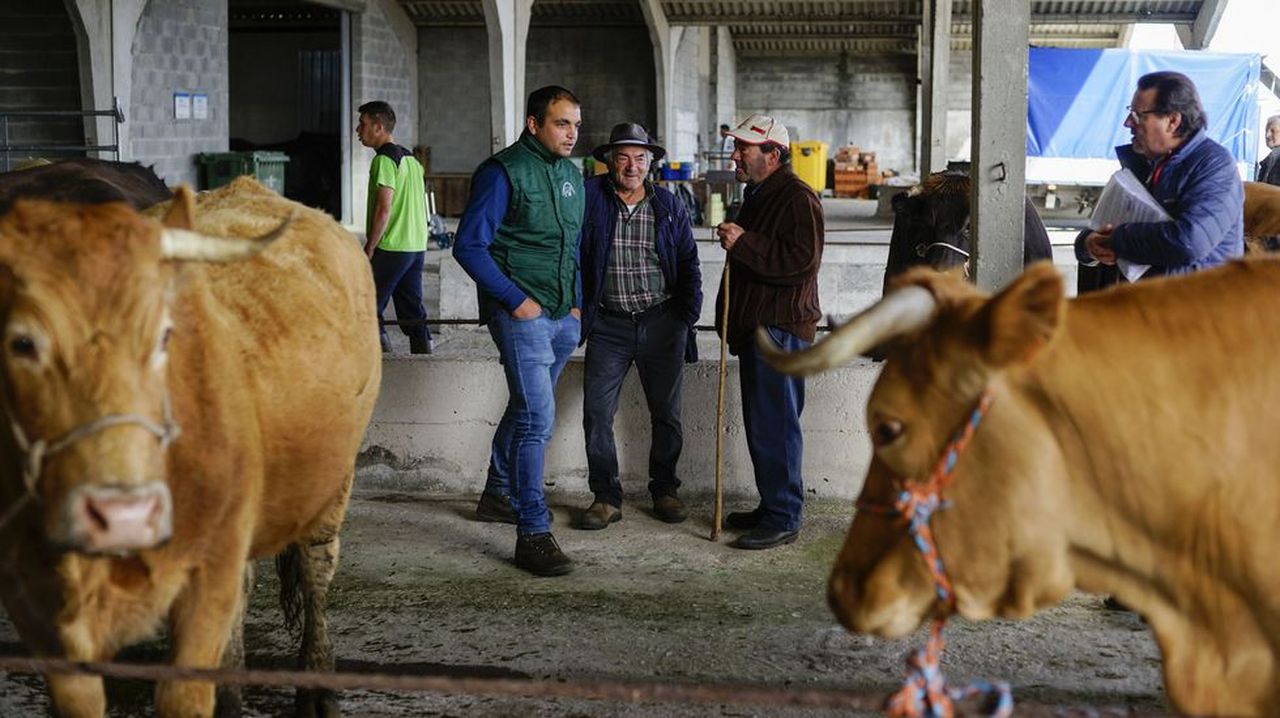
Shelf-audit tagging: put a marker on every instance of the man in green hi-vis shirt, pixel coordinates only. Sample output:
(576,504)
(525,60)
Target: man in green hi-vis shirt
(396,229)
(518,239)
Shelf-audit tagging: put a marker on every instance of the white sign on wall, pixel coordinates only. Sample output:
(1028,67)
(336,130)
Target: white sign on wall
(200,106)
(181,106)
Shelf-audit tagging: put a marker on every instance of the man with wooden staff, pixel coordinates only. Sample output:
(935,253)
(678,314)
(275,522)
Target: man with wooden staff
(772,251)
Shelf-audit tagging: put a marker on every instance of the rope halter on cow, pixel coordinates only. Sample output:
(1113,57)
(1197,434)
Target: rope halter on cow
(925,692)
(34,453)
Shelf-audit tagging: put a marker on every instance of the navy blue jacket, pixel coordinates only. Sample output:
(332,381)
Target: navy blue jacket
(1200,188)
(677,254)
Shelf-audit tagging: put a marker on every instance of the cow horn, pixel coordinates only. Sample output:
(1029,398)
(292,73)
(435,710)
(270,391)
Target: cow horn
(186,245)
(902,311)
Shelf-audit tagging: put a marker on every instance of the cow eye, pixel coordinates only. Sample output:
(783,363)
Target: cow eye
(887,432)
(23,346)
(164,339)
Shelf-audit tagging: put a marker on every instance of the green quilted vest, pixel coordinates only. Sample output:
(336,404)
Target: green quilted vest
(537,243)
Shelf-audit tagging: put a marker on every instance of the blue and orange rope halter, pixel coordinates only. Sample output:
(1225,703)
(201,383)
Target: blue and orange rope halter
(924,692)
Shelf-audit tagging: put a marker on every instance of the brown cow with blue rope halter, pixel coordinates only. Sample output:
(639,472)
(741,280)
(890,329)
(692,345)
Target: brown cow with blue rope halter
(1129,450)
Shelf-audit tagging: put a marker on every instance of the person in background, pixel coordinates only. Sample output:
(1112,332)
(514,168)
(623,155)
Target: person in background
(1269,167)
(1190,175)
(773,250)
(642,294)
(396,226)
(518,239)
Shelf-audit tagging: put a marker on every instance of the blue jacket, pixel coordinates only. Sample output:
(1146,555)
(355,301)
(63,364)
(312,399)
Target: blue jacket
(677,254)
(1200,188)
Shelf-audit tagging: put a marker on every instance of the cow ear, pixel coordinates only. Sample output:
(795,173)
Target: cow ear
(1022,319)
(182,210)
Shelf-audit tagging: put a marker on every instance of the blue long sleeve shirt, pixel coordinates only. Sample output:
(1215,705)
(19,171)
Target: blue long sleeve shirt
(490,197)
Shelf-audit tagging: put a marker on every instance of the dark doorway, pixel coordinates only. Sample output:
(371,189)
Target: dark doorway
(286,92)
(39,72)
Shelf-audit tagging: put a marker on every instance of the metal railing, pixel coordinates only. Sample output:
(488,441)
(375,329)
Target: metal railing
(7,150)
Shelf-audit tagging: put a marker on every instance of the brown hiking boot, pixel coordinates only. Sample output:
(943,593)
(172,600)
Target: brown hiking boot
(670,509)
(495,509)
(598,516)
(540,555)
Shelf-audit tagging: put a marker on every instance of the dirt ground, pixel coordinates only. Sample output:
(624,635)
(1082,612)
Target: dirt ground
(425,589)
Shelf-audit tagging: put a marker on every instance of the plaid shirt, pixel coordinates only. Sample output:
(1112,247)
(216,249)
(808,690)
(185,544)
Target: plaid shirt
(633,280)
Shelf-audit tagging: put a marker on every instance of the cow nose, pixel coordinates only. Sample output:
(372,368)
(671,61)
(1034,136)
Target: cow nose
(114,519)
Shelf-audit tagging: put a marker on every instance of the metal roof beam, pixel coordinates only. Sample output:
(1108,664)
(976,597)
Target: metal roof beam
(1197,34)
(867,19)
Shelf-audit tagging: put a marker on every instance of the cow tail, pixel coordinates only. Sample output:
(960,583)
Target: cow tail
(289,569)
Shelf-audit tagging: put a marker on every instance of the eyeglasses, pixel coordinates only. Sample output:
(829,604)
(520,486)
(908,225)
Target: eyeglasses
(1135,116)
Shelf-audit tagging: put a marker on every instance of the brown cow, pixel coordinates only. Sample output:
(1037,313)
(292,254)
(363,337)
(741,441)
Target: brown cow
(171,414)
(1261,216)
(1129,449)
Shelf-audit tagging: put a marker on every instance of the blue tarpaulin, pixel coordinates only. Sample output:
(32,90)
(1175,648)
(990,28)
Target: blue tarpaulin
(1077,99)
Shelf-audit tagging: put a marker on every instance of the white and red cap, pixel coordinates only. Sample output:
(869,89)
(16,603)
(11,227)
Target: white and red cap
(762,130)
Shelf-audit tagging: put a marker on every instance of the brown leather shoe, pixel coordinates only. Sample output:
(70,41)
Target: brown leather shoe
(599,515)
(498,509)
(670,509)
(540,555)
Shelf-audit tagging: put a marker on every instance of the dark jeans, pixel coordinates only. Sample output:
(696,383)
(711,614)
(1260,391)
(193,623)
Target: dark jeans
(771,408)
(654,342)
(398,276)
(533,352)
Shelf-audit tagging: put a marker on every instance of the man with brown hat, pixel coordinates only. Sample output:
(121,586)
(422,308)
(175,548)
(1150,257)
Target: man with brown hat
(772,253)
(641,296)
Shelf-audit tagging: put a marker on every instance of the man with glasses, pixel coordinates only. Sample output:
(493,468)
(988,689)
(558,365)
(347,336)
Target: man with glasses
(642,293)
(772,252)
(1190,175)
(1269,167)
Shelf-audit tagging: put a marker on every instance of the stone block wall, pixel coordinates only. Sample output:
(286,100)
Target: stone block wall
(453,87)
(180,46)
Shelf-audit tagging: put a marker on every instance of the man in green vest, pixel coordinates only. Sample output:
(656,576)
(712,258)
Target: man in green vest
(518,239)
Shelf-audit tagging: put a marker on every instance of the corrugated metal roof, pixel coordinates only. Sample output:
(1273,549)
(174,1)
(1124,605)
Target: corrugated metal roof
(780,27)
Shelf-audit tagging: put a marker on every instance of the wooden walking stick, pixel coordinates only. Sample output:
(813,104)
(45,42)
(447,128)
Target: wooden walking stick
(724,331)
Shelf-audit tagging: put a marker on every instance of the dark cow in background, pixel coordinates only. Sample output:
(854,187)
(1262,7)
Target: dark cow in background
(931,227)
(84,180)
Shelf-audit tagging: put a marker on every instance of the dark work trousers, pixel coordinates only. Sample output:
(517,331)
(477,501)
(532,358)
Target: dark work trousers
(398,276)
(654,341)
(771,408)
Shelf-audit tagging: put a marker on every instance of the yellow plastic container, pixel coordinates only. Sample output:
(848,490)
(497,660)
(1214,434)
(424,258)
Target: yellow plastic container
(809,158)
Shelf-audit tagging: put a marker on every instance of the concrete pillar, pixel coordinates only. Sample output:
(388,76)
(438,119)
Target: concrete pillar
(999,147)
(665,39)
(105,48)
(935,59)
(508,25)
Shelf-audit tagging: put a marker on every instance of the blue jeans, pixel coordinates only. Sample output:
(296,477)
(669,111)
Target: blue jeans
(533,353)
(771,408)
(654,342)
(398,276)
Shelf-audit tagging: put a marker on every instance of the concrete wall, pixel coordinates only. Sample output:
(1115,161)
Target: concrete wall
(864,101)
(609,69)
(453,93)
(178,47)
(682,145)
(384,66)
(726,100)
(959,104)
(434,422)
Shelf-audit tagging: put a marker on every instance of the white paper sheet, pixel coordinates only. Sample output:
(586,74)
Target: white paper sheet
(1123,200)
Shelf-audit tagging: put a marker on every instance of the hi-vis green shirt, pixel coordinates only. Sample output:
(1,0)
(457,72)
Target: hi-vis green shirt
(396,167)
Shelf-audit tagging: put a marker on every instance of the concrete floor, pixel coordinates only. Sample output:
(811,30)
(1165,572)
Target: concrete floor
(424,589)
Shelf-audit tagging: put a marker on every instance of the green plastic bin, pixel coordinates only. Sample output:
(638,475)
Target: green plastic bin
(219,168)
